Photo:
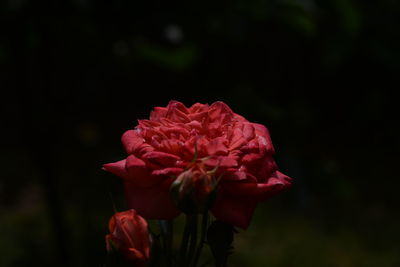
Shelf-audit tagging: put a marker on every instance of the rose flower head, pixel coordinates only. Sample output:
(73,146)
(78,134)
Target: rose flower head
(129,235)
(163,147)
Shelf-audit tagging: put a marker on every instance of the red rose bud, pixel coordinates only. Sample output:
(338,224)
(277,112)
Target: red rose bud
(129,235)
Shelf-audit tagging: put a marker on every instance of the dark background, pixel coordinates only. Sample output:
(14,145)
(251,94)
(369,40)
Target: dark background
(321,75)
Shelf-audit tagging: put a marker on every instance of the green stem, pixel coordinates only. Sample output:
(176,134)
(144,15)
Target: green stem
(169,242)
(167,228)
(193,239)
(204,226)
(184,243)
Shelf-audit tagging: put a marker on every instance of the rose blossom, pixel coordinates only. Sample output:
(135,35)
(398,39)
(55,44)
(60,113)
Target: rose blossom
(161,148)
(130,236)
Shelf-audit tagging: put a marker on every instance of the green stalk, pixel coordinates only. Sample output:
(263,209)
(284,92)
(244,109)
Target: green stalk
(167,228)
(204,226)
(169,242)
(184,243)
(193,239)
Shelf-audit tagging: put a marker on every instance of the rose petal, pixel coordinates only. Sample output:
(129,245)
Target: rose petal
(134,143)
(148,124)
(139,229)
(264,138)
(234,210)
(198,116)
(251,147)
(248,131)
(239,188)
(174,130)
(136,165)
(117,168)
(237,139)
(198,107)
(173,104)
(221,162)
(153,202)
(138,172)
(158,113)
(267,167)
(177,112)
(233,175)
(160,158)
(168,171)
(251,159)
(228,162)
(135,254)
(276,184)
(217,146)
(239,176)
(220,112)
(130,139)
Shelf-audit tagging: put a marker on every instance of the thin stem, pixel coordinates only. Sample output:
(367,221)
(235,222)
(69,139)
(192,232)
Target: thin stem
(167,228)
(184,242)
(204,226)
(169,240)
(193,239)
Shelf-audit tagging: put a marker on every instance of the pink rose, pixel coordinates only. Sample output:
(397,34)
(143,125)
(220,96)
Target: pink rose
(130,236)
(161,148)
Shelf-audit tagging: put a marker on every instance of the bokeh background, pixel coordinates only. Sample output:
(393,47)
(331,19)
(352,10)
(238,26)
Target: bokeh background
(322,75)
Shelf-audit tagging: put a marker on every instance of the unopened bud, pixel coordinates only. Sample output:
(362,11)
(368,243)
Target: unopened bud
(192,191)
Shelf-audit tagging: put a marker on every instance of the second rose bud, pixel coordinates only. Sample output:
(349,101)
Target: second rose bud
(193,191)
